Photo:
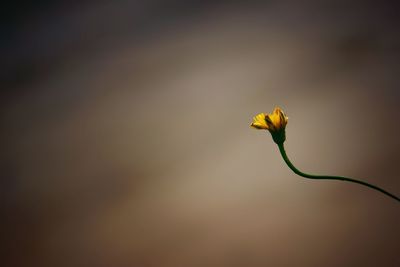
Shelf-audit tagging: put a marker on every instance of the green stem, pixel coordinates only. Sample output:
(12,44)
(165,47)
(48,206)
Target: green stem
(340,178)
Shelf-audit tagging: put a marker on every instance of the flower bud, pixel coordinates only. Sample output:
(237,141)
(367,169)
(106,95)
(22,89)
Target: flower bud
(275,123)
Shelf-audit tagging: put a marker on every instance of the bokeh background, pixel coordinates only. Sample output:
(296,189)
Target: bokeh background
(125,136)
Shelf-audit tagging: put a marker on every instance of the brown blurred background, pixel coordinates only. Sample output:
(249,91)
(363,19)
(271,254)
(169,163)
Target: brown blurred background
(125,136)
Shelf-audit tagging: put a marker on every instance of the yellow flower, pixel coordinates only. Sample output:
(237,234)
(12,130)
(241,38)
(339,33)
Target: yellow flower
(275,123)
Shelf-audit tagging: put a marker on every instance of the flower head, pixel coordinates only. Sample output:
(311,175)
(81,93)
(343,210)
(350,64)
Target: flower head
(275,123)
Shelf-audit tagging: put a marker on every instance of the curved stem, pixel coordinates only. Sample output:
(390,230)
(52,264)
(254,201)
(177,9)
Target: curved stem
(340,178)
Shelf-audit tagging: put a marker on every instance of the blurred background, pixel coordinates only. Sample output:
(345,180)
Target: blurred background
(125,137)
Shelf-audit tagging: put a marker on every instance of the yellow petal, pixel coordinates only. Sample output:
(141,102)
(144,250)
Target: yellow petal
(259,122)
